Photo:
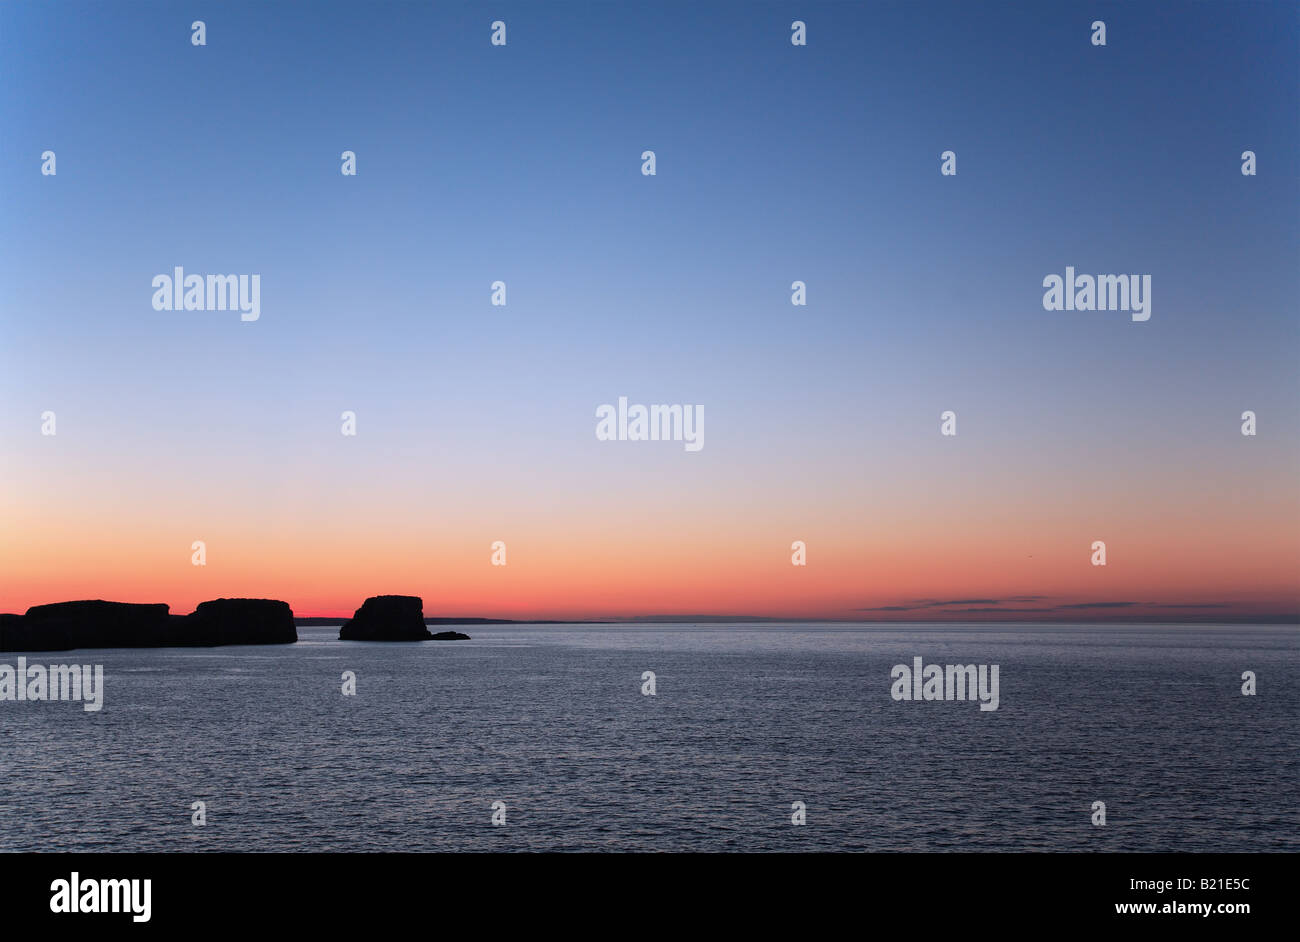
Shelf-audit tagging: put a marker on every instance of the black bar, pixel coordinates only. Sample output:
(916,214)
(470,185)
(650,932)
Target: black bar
(659,892)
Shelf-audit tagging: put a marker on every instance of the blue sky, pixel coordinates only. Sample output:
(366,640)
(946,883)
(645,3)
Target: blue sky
(775,163)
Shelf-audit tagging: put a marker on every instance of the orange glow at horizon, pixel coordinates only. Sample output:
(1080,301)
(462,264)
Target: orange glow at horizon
(620,562)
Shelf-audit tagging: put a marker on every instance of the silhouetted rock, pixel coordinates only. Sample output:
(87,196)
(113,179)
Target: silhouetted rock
(387,618)
(449,636)
(239,621)
(100,624)
(18,634)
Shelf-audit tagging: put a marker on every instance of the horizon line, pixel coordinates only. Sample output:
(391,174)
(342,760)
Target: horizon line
(927,613)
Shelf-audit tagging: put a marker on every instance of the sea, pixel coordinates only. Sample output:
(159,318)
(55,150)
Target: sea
(663,738)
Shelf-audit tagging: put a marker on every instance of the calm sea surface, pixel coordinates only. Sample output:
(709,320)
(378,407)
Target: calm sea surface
(747,719)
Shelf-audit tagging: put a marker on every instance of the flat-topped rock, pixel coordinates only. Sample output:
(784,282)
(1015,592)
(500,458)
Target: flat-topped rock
(387,618)
(95,623)
(240,621)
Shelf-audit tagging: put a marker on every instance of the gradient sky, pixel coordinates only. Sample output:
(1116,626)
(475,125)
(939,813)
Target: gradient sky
(775,163)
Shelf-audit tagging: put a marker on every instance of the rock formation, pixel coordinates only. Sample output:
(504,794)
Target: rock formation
(62,626)
(240,621)
(387,618)
(100,624)
(95,623)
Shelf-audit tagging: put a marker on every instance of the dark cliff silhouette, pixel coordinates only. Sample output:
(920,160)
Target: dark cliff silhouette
(242,621)
(392,618)
(95,623)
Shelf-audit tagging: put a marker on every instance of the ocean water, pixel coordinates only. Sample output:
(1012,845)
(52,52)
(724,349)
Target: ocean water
(746,720)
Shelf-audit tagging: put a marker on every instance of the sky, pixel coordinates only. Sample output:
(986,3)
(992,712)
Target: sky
(775,163)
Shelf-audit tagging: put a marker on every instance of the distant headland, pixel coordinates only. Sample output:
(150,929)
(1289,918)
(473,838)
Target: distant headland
(95,623)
